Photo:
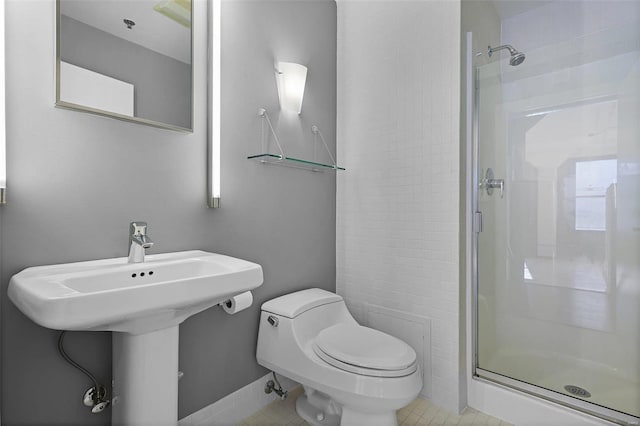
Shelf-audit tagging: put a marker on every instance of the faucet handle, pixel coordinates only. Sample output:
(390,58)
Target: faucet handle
(137,228)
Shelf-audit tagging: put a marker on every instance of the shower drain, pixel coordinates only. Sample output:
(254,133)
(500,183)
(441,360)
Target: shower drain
(577,391)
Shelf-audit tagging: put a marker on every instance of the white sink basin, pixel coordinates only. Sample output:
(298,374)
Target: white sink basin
(113,295)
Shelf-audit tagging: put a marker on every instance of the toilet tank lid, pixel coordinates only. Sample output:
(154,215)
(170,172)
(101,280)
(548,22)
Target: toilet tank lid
(293,304)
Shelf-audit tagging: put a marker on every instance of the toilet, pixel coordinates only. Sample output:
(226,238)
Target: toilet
(352,375)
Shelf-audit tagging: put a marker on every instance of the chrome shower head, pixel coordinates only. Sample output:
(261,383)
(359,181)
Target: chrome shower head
(516,57)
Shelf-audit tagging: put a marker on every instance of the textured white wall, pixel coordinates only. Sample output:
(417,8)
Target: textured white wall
(398,137)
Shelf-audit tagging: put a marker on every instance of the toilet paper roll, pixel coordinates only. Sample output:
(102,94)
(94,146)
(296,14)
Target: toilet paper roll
(238,303)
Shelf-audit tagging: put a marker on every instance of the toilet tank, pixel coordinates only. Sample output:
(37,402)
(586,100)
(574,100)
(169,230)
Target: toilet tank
(289,322)
(293,304)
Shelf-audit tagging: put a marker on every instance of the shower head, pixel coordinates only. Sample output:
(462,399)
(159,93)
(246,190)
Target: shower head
(516,57)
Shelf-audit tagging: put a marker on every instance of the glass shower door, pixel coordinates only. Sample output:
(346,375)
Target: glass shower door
(558,252)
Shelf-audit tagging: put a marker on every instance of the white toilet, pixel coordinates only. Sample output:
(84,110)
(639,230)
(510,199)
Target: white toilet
(352,375)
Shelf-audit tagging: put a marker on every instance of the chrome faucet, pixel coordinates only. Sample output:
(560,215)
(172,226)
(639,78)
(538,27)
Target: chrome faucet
(138,241)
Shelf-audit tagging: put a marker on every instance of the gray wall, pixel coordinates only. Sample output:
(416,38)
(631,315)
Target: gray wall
(77,180)
(165,97)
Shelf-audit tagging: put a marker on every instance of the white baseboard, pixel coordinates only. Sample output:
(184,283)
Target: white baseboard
(235,407)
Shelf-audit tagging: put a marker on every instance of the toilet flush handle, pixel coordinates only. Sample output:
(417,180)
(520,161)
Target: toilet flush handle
(273,320)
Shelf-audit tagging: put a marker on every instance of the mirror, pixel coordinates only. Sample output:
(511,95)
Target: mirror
(126,59)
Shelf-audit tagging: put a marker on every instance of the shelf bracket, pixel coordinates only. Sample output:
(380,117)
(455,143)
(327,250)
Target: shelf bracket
(316,132)
(265,118)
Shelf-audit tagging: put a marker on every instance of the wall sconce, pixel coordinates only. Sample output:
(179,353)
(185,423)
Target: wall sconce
(213,101)
(3,130)
(291,79)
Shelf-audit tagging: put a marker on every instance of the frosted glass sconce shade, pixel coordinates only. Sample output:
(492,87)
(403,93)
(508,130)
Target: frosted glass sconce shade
(291,79)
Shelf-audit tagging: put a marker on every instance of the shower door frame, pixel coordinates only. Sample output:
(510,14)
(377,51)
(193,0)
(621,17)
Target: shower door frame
(476,226)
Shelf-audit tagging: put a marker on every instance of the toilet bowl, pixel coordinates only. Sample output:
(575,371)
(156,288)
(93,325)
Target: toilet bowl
(352,375)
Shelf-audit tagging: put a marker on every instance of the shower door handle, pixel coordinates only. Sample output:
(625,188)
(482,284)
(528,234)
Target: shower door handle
(494,184)
(489,183)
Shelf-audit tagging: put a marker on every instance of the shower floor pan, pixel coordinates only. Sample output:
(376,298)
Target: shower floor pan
(579,379)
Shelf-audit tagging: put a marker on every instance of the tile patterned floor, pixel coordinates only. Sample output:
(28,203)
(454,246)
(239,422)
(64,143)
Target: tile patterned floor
(419,413)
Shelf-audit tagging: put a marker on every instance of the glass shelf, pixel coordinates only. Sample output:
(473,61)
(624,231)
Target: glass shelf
(293,162)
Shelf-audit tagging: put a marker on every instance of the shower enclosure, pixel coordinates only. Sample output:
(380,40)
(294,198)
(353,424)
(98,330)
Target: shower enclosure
(557,208)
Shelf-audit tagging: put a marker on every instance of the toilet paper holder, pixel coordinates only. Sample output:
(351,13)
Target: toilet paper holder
(237,303)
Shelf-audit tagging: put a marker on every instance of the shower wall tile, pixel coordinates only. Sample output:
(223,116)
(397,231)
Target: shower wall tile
(561,21)
(398,135)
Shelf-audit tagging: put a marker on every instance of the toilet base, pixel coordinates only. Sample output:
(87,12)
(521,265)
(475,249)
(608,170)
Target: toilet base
(313,415)
(319,409)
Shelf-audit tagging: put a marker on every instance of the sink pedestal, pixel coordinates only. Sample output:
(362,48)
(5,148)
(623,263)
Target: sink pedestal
(145,378)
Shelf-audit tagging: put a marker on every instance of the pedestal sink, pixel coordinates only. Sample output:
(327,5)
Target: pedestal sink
(143,304)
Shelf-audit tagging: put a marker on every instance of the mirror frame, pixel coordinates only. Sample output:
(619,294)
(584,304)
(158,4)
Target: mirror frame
(82,108)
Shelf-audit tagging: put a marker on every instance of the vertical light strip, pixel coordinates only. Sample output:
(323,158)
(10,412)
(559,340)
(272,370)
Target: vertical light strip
(213,91)
(3,132)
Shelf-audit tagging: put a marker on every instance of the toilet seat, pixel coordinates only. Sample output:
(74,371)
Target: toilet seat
(365,351)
